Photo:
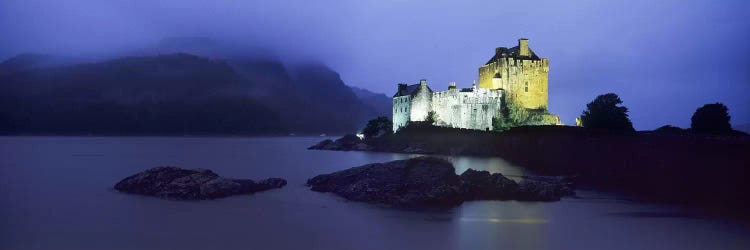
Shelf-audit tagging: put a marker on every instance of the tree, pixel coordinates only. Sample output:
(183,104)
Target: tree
(516,115)
(378,127)
(431,118)
(711,118)
(511,115)
(606,112)
(498,123)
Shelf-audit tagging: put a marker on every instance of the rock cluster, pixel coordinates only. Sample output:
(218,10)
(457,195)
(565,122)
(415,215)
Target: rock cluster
(413,182)
(191,184)
(430,181)
(345,143)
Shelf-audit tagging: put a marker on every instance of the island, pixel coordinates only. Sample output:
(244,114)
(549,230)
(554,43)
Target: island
(431,181)
(191,184)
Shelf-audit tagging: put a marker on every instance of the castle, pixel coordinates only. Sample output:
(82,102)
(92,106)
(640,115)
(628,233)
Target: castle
(512,76)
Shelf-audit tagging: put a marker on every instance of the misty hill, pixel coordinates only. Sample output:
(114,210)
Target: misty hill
(178,94)
(28,61)
(312,91)
(171,94)
(310,98)
(381,103)
(206,47)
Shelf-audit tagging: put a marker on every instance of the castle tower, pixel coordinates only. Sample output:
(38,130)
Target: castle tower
(520,73)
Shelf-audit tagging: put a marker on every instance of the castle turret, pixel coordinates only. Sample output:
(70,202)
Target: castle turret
(523,47)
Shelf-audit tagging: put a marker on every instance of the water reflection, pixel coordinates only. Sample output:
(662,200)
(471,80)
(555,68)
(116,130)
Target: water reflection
(481,220)
(461,163)
(70,204)
(505,220)
(491,164)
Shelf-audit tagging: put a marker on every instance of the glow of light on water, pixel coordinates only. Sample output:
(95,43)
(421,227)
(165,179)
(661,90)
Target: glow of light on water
(506,220)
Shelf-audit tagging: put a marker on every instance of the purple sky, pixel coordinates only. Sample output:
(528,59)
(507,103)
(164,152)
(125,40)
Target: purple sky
(664,58)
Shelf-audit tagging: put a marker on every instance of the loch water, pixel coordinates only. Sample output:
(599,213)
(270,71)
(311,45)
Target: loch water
(56,193)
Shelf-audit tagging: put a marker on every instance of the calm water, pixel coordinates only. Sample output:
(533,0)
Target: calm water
(56,194)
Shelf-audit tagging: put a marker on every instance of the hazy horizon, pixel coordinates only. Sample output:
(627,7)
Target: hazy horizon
(664,59)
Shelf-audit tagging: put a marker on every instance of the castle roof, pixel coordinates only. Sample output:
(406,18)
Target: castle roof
(409,90)
(512,53)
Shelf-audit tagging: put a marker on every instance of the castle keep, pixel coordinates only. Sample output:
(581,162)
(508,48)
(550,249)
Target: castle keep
(520,73)
(513,76)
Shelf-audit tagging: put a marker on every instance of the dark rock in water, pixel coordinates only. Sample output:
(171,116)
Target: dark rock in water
(345,143)
(422,181)
(482,185)
(191,184)
(430,181)
(544,188)
(323,145)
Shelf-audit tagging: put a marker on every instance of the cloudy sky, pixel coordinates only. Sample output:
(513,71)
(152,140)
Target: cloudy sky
(664,58)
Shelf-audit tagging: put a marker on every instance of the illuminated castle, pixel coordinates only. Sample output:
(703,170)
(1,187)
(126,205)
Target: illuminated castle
(512,76)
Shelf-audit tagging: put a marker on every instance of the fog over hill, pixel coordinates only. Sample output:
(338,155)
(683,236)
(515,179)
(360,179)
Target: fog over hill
(377,101)
(177,94)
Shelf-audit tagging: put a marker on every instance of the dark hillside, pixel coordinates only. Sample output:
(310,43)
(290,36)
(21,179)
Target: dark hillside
(176,94)
(170,94)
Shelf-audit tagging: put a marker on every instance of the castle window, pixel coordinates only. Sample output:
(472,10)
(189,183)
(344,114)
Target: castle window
(527,86)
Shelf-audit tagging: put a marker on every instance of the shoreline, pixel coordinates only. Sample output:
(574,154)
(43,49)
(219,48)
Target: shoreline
(171,136)
(699,170)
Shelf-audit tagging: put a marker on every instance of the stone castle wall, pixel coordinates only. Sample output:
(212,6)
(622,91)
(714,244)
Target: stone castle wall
(472,110)
(524,81)
(401,111)
(421,103)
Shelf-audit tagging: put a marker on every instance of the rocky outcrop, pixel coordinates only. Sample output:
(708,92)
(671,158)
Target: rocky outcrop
(414,182)
(544,188)
(191,184)
(481,185)
(430,181)
(345,143)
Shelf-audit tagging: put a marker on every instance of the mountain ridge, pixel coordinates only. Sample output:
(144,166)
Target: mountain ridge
(179,93)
